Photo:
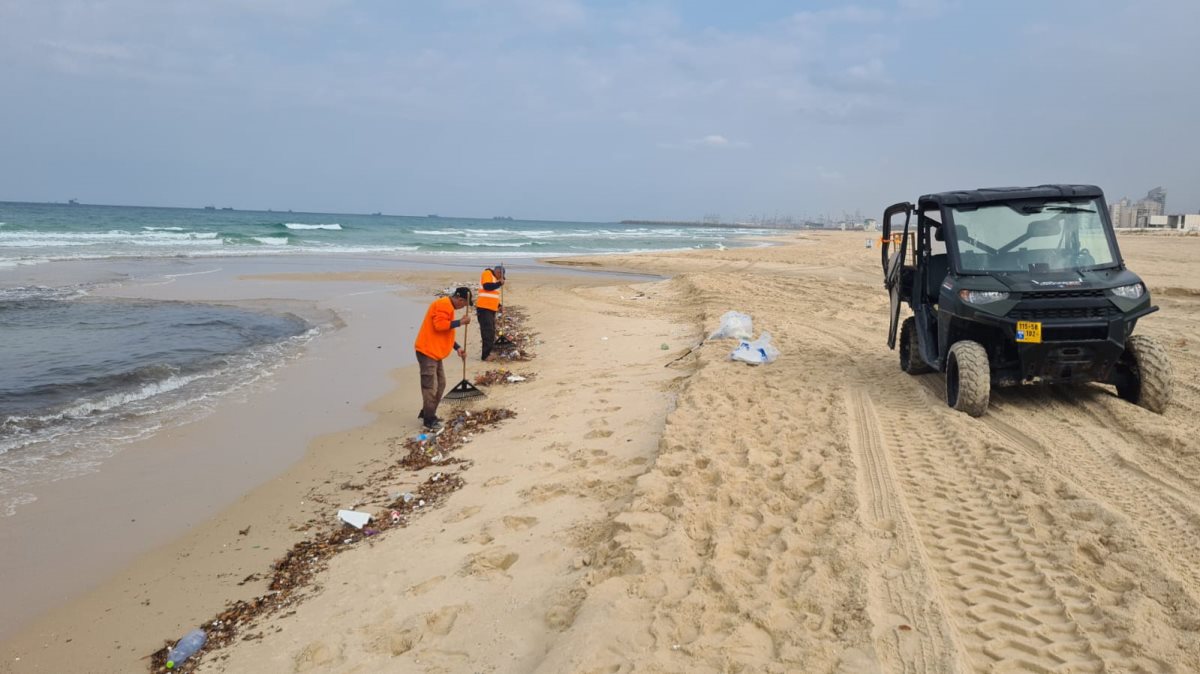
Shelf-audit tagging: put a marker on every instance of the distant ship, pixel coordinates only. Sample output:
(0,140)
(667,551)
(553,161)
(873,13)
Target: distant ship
(502,217)
(210,208)
(433,215)
(73,202)
(377,213)
(227,208)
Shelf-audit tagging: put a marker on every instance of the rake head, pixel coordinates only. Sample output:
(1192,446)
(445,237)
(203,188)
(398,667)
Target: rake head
(463,390)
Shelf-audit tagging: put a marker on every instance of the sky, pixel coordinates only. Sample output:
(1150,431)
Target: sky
(589,110)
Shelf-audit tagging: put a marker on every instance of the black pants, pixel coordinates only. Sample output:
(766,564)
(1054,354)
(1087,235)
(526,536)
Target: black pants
(487,329)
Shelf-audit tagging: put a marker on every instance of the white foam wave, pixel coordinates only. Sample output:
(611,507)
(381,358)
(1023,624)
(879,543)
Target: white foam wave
(89,410)
(496,245)
(271,240)
(163,229)
(299,225)
(438,232)
(44,239)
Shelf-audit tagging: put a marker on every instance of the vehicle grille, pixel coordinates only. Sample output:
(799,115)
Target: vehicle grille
(1061,294)
(1028,314)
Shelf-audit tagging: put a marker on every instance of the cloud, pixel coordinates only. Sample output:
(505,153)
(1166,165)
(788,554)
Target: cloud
(713,141)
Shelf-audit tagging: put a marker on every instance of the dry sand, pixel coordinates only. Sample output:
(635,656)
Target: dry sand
(671,511)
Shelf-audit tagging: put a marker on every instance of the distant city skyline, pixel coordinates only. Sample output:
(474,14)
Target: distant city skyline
(591,111)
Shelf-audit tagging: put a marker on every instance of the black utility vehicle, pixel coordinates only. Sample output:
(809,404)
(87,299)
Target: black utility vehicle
(1018,285)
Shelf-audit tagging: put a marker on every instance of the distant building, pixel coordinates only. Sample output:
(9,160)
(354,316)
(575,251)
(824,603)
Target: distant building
(1159,196)
(1128,214)
(1122,213)
(1183,222)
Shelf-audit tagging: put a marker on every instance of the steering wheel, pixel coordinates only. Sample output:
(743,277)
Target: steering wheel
(1084,258)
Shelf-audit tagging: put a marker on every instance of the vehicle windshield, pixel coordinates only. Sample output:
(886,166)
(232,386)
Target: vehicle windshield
(1031,236)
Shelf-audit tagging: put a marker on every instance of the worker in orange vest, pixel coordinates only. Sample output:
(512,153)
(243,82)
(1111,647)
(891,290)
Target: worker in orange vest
(487,306)
(435,341)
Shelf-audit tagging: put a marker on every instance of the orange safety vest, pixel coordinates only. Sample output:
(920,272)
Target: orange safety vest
(488,299)
(436,337)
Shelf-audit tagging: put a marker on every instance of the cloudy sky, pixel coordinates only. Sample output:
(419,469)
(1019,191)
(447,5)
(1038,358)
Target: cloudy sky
(589,110)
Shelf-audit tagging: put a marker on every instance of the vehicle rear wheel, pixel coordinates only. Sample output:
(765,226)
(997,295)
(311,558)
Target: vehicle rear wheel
(1144,374)
(968,378)
(910,353)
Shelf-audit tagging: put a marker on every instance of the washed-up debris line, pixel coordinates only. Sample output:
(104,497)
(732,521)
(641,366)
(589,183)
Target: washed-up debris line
(493,377)
(297,569)
(454,433)
(512,324)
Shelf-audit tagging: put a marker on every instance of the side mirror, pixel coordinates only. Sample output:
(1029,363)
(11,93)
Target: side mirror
(1043,228)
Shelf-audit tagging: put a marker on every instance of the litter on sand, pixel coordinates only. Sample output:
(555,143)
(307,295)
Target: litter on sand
(354,518)
(757,352)
(734,325)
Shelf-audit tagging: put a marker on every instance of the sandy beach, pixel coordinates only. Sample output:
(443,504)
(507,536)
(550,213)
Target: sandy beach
(655,507)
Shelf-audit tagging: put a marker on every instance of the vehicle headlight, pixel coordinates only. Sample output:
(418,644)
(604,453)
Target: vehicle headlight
(1130,292)
(982,296)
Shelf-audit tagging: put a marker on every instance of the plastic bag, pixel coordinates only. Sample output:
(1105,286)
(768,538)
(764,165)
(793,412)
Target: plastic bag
(734,325)
(757,352)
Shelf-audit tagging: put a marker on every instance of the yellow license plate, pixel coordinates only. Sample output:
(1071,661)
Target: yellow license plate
(1029,331)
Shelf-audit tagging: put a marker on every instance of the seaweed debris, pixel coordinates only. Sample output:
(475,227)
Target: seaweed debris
(512,324)
(296,571)
(493,377)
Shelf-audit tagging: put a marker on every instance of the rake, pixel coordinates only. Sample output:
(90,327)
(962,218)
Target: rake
(464,389)
(502,339)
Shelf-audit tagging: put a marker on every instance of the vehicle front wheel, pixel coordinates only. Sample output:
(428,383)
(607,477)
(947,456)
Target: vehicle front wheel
(968,378)
(1144,374)
(910,352)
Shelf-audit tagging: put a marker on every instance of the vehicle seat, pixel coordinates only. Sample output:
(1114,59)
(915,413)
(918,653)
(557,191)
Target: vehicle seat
(935,273)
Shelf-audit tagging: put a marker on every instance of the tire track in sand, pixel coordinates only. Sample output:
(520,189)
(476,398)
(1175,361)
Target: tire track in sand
(912,631)
(1166,522)
(1006,596)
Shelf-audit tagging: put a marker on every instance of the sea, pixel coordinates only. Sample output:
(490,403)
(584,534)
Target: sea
(82,373)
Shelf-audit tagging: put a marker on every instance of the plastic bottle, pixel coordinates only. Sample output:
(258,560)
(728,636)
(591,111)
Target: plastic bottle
(186,648)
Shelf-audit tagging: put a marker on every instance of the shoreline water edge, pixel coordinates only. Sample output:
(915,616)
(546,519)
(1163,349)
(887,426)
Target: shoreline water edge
(654,506)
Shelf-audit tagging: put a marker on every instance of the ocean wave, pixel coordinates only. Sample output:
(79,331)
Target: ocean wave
(163,229)
(299,225)
(472,244)
(271,240)
(27,239)
(90,431)
(92,408)
(438,232)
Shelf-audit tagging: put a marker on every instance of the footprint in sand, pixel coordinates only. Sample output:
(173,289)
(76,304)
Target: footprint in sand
(441,621)
(488,562)
(423,587)
(463,514)
(497,481)
(597,433)
(398,639)
(543,492)
(561,615)
(481,537)
(519,523)
(316,656)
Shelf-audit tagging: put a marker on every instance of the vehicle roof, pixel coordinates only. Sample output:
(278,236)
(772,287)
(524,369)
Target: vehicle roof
(991,194)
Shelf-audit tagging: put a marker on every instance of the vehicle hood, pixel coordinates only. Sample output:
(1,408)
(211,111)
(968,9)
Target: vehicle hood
(1025,282)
